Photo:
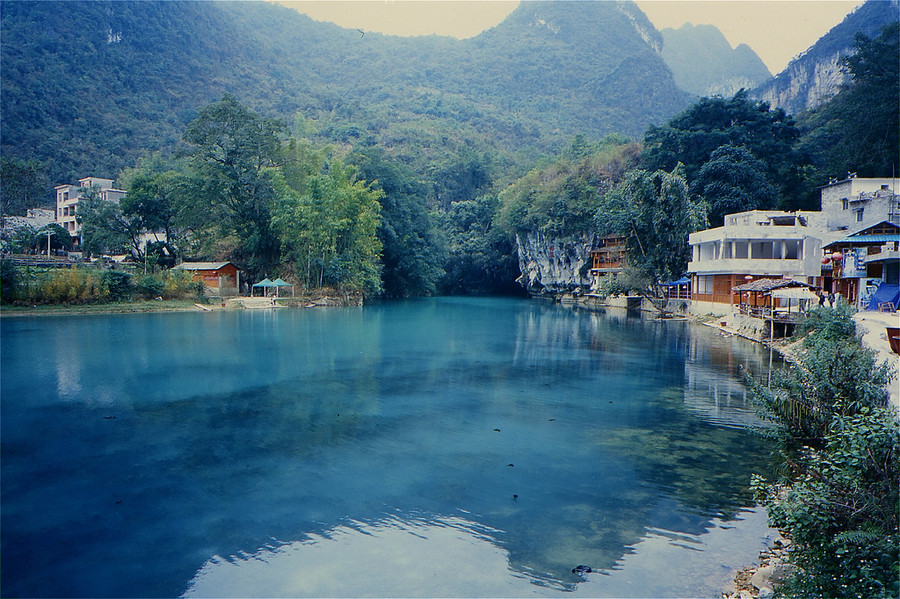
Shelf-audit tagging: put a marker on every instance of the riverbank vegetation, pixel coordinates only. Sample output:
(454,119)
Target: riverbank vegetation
(838,444)
(88,285)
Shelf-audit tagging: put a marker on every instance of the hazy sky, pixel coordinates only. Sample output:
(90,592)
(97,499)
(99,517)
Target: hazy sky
(777,30)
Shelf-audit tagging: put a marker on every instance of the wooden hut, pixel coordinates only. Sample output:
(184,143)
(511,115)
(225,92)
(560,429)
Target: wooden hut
(220,278)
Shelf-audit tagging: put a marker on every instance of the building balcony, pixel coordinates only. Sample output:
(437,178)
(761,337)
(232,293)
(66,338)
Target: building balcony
(761,266)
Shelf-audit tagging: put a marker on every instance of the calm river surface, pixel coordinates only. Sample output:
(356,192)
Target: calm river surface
(442,447)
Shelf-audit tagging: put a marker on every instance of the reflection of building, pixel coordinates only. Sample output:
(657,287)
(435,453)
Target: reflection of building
(607,258)
(862,261)
(220,278)
(758,243)
(69,196)
(712,386)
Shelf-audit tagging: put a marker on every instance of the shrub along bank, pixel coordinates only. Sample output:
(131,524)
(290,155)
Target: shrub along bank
(91,285)
(838,443)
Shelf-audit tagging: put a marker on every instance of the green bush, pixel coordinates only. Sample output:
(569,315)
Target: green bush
(150,286)
(118,285)
(69,286)
(841,512)
(839,445)
(828,324)
(177,283)
(9,278)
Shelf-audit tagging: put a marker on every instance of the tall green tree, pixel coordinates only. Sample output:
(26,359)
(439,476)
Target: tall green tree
(481,257)
(465,177)
(733,180)
(104,227)
(235,151)
(412,256)
(654,211)
(328,230)
(770,136)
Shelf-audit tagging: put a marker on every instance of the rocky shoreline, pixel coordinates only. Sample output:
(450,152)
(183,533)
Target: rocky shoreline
(759,582)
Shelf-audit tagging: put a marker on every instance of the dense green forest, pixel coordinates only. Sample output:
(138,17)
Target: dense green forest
(418,181)
(88,86)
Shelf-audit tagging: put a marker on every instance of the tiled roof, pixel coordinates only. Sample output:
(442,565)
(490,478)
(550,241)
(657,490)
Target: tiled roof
(768,285)
(201,265)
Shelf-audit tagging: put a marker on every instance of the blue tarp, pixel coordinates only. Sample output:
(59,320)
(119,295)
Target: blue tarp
(681,281)
(885,293)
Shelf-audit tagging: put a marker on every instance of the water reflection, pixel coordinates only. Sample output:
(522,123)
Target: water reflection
(404,555)
(715,367)
(562,438)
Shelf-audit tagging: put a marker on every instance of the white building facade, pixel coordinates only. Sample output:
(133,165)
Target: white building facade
(69,196)
(759,244)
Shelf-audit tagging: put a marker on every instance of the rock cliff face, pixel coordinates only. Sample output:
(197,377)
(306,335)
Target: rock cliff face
(552,265)
(814,76)
(804,83)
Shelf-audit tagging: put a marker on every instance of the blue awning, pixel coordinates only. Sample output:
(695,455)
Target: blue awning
(681,281)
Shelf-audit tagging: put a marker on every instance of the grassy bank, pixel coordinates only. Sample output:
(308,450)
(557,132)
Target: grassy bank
(169,305)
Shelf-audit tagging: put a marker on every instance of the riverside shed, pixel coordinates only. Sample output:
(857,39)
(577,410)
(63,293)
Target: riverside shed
(220,278)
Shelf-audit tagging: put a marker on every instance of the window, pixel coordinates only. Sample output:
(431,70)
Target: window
(845,203)
(859,215)
(792,250)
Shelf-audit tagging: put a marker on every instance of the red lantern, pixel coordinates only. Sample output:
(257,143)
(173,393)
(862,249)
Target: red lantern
(826,259)
(837,256)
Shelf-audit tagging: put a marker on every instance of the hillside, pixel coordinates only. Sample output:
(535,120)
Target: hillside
(815,76)
(90,86)
(705,64)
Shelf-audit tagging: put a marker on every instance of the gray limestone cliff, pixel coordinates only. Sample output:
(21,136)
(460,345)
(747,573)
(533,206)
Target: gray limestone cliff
(804,84)
(553,265)
(815,76)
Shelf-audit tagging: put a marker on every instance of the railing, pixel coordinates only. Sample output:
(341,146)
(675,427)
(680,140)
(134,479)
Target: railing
(765,312)
(39,260)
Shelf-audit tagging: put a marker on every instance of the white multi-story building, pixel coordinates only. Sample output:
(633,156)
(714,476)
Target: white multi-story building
(759,244)
(69,196)
(856,203)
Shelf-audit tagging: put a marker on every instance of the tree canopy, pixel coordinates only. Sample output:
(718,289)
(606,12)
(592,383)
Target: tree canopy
(733,180)
(235,150)
(654,211)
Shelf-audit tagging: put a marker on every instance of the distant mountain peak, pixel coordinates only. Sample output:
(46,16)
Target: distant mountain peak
(704,63)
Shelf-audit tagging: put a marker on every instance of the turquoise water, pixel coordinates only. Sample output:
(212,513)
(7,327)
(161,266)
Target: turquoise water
(442,447)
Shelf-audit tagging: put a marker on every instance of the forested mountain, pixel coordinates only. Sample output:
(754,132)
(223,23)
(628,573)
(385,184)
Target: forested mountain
(816,75)
(705,64)
(89,86)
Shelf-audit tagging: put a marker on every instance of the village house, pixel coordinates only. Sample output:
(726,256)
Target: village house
(859,264)
(69,196)
(36,218)
(607,258)
(759,244)
(221,278)
(857,203)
